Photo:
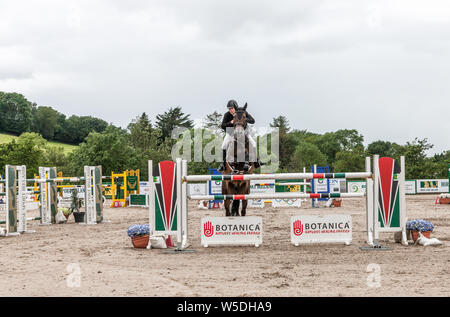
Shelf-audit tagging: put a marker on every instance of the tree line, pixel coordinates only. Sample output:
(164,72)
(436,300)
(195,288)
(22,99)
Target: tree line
(117,149)
(18,115)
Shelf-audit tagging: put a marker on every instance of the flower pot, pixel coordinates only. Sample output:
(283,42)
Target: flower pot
(415,234)
(79,216)
(337,202)
(140,241)
(444,201)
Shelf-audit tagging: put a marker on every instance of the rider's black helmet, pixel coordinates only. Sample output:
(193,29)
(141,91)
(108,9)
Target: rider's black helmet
(232,104)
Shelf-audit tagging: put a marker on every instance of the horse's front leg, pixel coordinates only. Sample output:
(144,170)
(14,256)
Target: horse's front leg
(245,189)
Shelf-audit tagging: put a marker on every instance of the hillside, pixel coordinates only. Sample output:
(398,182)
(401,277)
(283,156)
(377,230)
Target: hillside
(6,138)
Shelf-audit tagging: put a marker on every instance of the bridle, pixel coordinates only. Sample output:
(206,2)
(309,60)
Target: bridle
(240,119)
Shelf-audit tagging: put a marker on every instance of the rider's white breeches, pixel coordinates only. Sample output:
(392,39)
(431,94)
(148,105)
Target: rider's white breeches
(252,145)
(228,138)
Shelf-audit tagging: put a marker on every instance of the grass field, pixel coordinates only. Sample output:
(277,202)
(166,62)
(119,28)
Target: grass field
(6,138)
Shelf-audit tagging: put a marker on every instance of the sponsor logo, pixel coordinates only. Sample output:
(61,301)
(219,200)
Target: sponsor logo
(208,229)
(297,228)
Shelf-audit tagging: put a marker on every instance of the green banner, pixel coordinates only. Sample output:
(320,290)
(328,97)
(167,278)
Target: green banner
(138,200)
(132,183)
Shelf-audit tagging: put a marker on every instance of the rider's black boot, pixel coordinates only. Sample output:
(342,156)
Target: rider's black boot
(222,165)
(258,163)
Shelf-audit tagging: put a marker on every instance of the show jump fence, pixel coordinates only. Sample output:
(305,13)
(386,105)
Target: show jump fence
(385,196)
(15,185)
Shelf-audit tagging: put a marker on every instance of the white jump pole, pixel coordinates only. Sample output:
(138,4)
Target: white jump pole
(281,195)
(402,193)
(151,202)
(184,223)
(376,180)
(178,163)
(202,178)
(369,204)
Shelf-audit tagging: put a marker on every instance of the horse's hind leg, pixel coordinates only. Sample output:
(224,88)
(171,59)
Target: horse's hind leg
(227,204)
(235,208)
(244,207)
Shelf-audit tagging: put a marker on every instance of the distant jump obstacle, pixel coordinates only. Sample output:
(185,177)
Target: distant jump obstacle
(16,220)
(385,196)
(130,186)
(445,198)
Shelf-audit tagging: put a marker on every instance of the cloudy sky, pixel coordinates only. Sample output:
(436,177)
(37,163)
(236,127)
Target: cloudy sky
(381,67)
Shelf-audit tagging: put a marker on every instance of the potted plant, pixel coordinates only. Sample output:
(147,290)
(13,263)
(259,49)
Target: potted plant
(139,235)
(419,225)
(75,206)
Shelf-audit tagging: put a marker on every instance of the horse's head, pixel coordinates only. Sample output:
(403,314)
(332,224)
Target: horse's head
(240,121)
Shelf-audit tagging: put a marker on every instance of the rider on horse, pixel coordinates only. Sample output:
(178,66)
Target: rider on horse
(227,122)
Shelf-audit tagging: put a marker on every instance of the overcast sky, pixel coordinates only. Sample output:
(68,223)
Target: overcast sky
(381,67)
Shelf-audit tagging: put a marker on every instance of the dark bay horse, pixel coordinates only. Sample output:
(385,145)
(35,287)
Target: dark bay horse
(239,164)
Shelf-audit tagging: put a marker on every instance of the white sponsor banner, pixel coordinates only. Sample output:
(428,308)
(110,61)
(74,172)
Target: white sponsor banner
(216,188)
(283,203)
(342,185)
(231,231)
(276,203)
(67,191)
(320,185)
(424,186)
(337,185)
(255,203)
(356,186)
(144,188)
(410,187)
(334,228)
(29,197)
(197,189)
(260,187)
